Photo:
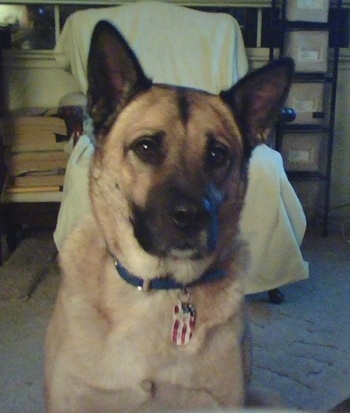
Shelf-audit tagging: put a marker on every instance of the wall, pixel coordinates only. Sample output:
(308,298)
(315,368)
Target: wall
(340,194)
(34,79)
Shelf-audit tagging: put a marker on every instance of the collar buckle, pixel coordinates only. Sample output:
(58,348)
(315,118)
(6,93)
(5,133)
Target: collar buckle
(145,287)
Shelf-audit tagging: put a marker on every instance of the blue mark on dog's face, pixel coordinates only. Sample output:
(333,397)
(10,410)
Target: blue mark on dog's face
(211,202)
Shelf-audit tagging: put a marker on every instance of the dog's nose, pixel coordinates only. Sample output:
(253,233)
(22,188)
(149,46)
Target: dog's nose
(188,214)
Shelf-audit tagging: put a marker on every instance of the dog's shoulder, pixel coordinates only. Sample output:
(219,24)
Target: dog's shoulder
(82,252)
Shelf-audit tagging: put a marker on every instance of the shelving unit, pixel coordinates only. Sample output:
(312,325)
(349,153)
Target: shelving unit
(311,161)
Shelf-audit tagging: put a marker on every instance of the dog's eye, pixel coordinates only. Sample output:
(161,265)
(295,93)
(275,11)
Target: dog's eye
(149,149)
(218,155)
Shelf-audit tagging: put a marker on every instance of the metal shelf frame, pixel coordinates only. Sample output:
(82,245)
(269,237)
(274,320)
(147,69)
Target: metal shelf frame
(331,78)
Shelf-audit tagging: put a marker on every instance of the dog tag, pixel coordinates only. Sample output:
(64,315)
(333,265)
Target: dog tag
(184,320)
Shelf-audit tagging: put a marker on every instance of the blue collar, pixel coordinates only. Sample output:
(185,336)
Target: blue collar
(165,283)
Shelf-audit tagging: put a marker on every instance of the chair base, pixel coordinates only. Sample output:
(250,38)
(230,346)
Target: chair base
(275,296)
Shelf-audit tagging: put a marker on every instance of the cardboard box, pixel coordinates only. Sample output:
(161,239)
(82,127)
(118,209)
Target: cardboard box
(301,151)
(307,10)
(307,101)
(34,133)
(39,163)
(309,49)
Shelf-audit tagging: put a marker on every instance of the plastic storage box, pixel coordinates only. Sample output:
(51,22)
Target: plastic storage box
(309,49)
(307,10)
(307,101)
(301,151)
(308,193)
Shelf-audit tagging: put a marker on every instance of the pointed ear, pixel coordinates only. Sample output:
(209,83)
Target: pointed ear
(114,74)
(258,98)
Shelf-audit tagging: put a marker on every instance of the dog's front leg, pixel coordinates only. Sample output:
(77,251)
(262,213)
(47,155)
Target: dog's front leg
(170,396)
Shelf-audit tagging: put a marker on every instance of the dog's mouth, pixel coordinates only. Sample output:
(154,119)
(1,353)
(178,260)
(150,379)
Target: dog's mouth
(159,236)
(186,252)
(178,226)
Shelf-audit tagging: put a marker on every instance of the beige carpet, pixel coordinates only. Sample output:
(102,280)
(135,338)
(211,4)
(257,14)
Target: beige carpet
(301,348)
(23,271)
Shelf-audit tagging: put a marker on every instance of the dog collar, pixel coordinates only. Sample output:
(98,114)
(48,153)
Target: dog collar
(165,283)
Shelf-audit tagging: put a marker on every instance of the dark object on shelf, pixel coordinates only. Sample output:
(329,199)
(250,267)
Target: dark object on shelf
(288,115)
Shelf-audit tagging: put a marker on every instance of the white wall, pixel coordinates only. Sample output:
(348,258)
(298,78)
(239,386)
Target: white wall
(34,79)
(340,194)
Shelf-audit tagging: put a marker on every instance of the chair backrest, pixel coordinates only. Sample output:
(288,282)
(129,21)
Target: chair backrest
(176,45)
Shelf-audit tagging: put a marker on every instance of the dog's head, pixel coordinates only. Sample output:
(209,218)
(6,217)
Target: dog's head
(168,178)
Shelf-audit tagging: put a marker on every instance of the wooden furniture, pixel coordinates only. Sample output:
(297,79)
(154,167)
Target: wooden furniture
(35,166)
(33,149)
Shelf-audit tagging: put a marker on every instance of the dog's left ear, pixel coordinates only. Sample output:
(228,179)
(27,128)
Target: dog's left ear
(258,98)
(114,74)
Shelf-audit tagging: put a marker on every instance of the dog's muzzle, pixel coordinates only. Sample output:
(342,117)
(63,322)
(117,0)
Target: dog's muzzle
(178,224)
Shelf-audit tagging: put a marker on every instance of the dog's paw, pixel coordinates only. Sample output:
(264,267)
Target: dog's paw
(262,398)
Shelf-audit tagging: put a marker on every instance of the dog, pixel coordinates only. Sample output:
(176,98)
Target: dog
(343,407)
(150,312)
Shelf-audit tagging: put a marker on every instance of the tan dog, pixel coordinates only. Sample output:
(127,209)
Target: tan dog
(167,184)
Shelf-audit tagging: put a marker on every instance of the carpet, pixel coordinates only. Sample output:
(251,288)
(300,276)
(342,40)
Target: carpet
(301,348)
(26,267)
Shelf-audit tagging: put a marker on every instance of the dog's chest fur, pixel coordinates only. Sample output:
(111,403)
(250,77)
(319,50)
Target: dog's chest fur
(129,348)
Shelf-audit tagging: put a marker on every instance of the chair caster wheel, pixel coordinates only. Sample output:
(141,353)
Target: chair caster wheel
(275,296)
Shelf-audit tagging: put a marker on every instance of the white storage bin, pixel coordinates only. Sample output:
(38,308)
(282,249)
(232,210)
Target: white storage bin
(301,151)
(309,49)
(308,193)
(307,101)
(307,10)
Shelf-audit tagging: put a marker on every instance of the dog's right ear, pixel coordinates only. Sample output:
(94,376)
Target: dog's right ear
(114,74)
(258,98)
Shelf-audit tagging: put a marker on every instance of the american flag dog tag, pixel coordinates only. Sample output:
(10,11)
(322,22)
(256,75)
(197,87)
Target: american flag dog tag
(184,320)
